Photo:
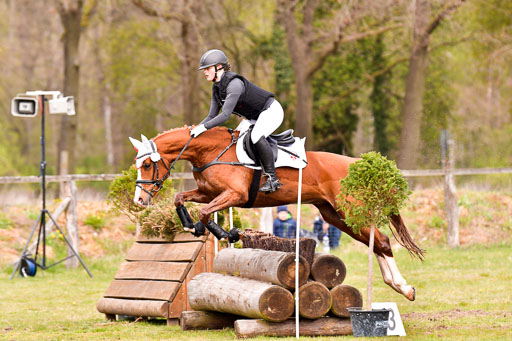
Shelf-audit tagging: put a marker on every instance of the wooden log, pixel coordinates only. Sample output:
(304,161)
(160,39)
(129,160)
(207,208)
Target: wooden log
(199,320)
(240,296)
(324,326)
(314,300)
(265,241)
(343,297)
(328,270)
(267,266)
(113,306)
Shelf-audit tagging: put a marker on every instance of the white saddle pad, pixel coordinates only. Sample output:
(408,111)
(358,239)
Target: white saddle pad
(284,159)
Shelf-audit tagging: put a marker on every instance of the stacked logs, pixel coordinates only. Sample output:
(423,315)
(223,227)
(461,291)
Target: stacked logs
(260,284)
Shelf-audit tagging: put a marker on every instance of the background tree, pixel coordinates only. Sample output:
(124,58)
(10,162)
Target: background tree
(412,110)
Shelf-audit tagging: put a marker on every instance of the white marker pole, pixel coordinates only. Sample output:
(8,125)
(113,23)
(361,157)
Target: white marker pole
(297,237)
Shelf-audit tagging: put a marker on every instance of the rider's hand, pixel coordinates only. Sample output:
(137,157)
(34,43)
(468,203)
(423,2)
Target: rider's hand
(198,130)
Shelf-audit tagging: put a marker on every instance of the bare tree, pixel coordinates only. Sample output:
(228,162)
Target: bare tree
(415,84)
(186,14)
(310,45)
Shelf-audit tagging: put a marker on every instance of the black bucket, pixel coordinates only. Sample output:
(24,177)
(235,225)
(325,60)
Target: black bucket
(369,322)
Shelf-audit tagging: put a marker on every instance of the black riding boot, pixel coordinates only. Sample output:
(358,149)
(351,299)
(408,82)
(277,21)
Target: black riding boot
(267,161)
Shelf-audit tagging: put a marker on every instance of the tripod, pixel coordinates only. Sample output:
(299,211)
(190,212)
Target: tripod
(27,265)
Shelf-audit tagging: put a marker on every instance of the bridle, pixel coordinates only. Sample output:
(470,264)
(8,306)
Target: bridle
(155,158)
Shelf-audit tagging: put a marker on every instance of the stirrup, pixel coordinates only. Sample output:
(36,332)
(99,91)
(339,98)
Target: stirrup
(270,185)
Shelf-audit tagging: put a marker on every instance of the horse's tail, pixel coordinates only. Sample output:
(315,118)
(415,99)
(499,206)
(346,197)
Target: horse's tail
(404,238)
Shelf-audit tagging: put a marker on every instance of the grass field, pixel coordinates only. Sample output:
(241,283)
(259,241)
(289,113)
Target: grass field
(462,294)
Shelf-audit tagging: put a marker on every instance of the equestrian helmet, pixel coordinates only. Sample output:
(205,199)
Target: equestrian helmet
(212,57)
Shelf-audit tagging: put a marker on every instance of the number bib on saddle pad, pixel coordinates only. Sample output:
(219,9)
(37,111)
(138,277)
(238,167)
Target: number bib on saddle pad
(290,154)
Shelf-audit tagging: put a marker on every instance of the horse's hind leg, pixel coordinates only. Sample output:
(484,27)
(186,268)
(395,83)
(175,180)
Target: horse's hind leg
(383,252)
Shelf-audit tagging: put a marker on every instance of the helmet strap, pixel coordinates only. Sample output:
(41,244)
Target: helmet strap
(217,69)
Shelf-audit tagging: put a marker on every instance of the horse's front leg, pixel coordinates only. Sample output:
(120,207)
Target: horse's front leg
(226,199)
(194,195)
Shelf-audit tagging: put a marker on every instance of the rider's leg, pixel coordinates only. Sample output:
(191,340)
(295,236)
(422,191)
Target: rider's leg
(267,160)
(268,121)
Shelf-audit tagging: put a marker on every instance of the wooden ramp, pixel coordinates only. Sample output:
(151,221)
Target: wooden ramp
(153,280)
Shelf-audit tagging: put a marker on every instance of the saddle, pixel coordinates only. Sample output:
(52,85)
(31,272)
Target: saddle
(283,139)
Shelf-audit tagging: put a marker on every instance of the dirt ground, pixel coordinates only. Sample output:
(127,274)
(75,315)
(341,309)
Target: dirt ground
(484,218)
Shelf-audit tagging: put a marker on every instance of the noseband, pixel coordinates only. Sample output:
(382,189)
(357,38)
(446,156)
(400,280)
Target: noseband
(155,181)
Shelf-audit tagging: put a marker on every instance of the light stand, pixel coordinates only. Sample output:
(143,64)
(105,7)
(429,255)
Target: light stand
(28,266)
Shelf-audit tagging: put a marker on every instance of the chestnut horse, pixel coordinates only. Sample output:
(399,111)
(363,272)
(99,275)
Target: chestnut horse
(222,186)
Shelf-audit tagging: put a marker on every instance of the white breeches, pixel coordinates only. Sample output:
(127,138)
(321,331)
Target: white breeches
(268,121)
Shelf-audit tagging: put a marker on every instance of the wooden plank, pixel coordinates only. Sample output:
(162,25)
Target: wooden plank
(151,290)
(179,302)
(324,326)
(165,271)
(176,252)
(178,238)
(115,306)
(209,252)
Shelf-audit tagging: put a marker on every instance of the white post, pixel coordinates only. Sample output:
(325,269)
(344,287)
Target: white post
(297,238)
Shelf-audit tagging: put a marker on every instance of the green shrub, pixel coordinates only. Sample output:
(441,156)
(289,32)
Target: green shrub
(96,221)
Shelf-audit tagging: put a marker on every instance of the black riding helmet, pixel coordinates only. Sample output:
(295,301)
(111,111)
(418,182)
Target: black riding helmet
(212,57)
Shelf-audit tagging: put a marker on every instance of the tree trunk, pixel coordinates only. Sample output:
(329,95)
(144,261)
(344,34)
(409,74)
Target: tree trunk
(315,300)
(414,89)
(304,109)
(240,296)
(267,266)
(328,270)
(325,326)
(198,320)
(369,284)
(344,297)
(190,62)
(71,18)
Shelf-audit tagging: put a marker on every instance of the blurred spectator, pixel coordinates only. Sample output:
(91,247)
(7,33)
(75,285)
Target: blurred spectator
(323,229)
(284,225)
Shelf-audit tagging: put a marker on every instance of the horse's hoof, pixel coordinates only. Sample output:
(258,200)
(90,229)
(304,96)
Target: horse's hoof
(412,294)
(234,235)
(199,229)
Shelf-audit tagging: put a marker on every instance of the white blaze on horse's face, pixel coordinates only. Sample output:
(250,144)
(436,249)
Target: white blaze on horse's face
(145,149)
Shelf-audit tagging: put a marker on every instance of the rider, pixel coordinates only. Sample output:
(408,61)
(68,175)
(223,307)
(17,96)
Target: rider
(235,94)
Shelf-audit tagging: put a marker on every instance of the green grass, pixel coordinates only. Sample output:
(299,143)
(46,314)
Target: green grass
(462,294)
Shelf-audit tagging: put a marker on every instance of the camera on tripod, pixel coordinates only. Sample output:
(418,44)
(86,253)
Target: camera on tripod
(27,104)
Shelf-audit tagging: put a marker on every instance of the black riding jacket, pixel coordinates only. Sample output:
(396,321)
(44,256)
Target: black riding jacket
(235,94)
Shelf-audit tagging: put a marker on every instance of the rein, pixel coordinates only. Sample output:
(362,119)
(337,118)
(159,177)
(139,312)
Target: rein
(156,182)
(216,162)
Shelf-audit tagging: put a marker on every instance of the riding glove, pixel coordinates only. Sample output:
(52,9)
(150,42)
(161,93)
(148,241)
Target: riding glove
(198,130)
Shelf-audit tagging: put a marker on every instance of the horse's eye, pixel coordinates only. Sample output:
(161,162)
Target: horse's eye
(147,165)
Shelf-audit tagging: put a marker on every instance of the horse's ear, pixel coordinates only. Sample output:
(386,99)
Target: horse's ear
(136,143)
(144,139)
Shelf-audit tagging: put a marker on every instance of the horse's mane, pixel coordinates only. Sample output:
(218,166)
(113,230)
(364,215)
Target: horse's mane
(185,127)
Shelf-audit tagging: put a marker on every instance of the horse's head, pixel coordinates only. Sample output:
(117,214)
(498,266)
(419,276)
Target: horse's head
(151,170)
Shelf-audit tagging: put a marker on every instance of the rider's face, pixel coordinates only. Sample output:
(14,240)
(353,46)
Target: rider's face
(209,73)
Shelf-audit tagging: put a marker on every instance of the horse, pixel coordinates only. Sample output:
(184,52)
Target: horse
(226,185)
